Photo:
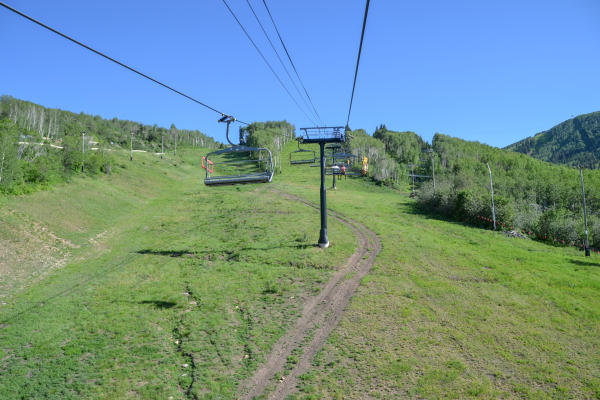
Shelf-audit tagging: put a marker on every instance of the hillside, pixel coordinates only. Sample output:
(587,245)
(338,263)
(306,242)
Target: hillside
(573,142)
(542,198)
(165,288)
(40,147)
(38,122)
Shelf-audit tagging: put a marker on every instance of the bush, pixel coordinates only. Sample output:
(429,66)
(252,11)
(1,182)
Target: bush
(527,216)
(560,225)
(43,169)
(72,156)
(96,162)
(469,205)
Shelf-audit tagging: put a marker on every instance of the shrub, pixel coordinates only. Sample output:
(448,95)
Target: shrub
(560,225)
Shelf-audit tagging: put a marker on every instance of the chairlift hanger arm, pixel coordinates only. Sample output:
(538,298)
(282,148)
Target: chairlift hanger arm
(264,160)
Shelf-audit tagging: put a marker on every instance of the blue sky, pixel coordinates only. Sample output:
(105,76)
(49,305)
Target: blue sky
(495,72)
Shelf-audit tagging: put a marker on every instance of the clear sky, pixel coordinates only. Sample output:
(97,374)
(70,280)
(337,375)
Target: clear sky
(492,71)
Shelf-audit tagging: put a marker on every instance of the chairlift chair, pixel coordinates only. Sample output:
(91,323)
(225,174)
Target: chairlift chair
(303,156)
(352,169)
(238,163)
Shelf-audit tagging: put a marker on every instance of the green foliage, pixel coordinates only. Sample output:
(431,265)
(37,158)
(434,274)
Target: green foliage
(56,124)
(26,165)
(272,135)
(404,147)
(44,169)
(263,134)
(530,194)
(573,142)
(382,167)
(10,168)
(72,154)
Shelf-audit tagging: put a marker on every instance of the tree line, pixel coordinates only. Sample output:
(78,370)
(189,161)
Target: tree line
(40,146)
(390,153)
(532,195)
(273,135)
(55,124)
(538,197)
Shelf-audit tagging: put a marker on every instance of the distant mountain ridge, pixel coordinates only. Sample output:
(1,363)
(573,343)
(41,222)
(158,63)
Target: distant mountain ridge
(575,141)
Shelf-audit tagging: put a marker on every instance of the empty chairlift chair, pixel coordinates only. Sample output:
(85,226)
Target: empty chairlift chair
(238,164)
(303,156)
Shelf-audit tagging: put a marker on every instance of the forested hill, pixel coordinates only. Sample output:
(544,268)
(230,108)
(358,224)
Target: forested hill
(530,194)
(55,124)
(573,142)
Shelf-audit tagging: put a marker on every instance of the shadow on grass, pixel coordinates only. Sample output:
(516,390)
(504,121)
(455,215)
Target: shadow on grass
(224,253)
(585,263)
(95,276)
(159,304)
(284,246)
(168,253)
(415,209)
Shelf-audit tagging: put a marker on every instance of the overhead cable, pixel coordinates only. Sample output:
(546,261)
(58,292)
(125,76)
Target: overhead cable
(362,35)
(112,59)
(291,62)
(266,62)
(279,58)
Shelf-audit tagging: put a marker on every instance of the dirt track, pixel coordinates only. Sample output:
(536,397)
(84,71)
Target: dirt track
(320,315)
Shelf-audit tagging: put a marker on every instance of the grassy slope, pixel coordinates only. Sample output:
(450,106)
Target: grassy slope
(451,311)
(176,299)
(199,282)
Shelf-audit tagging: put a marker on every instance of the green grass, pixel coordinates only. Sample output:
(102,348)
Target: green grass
(451,311)
(171,288)
(208,277)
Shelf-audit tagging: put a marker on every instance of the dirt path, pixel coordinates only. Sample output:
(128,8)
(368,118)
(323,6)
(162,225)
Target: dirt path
(320,315)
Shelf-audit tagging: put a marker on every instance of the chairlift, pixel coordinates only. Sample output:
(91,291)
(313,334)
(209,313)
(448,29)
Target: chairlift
(238,163)
(303,156)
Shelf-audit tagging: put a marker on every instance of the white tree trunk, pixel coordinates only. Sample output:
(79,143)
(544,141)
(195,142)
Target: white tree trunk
(2,163)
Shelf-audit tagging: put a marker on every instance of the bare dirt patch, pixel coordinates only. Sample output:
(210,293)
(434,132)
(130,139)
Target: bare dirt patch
(28,251)
(320,315)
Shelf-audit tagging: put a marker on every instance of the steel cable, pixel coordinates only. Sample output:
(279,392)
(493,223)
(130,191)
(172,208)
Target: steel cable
(111,59)
(266,61)
(362,35)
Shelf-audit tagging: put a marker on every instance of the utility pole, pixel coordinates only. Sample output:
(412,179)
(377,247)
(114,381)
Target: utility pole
(323,239)
(492,188)
(334,187)
(333,169)
(162,145)
(587,239)
(131,147)
(82,150)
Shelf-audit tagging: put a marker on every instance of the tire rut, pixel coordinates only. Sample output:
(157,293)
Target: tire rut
(320,315)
